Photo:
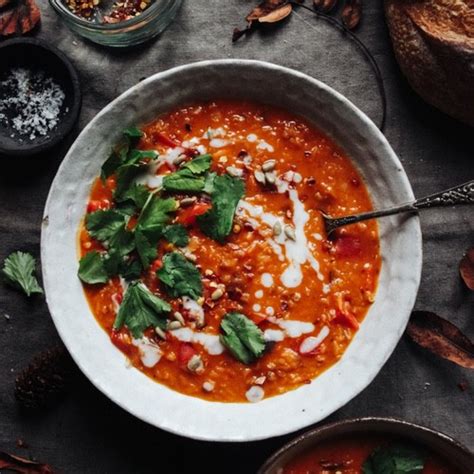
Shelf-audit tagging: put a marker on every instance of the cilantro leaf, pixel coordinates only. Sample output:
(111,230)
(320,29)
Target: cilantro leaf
(18,271)
(198,165)
(147,251)
(190,177)
(180,276)
(130,269)
(103,225)
(116,158)
(133,133)
(225,195)
(141,309)
(156,214)
(110,226)
(119,154)
(125,175)
(153,218)
(130,168)
(136,197)
(119,246)
(122,241)
(396,459)
(176,234)
(92,268)
(242,337)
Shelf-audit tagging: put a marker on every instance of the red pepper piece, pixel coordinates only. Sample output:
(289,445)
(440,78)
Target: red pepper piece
(188,216)
(164,140)
(185,352)
(346,319)
(96,205)
(348,246)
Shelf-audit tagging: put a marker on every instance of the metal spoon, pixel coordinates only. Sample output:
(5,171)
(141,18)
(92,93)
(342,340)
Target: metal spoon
(461,194)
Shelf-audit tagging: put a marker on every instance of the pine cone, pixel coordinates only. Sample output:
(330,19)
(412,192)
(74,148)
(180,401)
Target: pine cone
(45,379)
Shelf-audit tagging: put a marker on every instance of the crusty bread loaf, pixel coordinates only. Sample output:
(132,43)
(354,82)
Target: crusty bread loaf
(433,42)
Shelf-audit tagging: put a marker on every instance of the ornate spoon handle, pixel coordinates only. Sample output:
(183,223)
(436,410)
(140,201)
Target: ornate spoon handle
(461,194)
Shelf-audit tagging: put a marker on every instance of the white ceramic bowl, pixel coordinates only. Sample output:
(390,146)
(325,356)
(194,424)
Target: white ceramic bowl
(105,365)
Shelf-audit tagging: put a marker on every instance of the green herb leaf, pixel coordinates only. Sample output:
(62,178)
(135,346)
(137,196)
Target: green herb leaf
(395,459)
(19,272)
(129,170)
(92,268)
(137,194)
(120,153)
(125,176)
(133,133)
(116,159)
(103,225)
(180,276)
(198,165)
(130,269)
(242,337)
(141,309)
(111,226)
(176,234)
(190,177)
(151,222)
(225,195)
(120,245)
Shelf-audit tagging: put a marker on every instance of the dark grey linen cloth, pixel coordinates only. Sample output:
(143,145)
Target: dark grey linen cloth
(86,433)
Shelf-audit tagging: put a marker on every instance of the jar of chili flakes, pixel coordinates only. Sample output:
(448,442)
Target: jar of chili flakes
(117,23)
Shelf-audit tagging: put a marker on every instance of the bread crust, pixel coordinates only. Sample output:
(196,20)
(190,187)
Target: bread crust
(433,42)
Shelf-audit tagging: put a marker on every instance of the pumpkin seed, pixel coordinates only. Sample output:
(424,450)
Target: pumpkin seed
(216,294)
(160,332)
(270,177)
(269,165)
(179,317)
(174,325)
(277,229)
(208,386)
(259,177)
(187,201)
(195,364)
(235,172)
(290,232)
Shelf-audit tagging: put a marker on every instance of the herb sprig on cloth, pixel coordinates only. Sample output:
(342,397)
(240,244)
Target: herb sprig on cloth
(19,271)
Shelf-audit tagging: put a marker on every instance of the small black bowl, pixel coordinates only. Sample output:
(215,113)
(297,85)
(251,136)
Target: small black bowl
(35,54)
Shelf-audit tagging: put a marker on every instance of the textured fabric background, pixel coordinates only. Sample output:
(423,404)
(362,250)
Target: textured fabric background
(86,433)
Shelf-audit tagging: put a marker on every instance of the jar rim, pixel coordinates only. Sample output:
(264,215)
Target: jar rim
(153,10)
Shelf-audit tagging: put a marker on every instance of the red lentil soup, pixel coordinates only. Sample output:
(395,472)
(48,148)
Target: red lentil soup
(349,455)
(277,301)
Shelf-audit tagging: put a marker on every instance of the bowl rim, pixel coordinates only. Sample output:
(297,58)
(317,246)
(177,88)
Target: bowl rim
(187,429)
(71,116)
(384,423)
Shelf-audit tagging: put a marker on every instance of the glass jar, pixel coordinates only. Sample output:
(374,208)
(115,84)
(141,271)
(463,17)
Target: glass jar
(131,32)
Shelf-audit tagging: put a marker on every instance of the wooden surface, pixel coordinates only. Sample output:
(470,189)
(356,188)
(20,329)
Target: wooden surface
(86,433)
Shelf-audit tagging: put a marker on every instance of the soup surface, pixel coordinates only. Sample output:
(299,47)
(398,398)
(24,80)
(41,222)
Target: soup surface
(367,455)
(204,255)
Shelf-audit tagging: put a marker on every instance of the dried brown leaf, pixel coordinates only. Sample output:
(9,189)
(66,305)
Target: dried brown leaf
(20,18)
(441,337)
(4,3)
(277,15)
(266,8)
(352,13)
(324,5)
(466,268)
(23,465)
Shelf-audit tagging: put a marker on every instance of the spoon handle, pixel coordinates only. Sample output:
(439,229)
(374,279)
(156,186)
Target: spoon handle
(461,194)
